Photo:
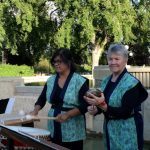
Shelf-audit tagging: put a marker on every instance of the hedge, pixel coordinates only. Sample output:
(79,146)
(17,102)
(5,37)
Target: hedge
(15,70)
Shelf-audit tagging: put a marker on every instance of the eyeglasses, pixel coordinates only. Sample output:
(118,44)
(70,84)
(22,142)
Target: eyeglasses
(58,62)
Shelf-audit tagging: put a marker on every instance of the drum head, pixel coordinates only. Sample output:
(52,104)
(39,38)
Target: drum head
(31,131)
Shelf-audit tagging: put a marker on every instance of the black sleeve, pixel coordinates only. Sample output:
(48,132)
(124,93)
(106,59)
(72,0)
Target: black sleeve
(42,98)
(129,102)
(83,104)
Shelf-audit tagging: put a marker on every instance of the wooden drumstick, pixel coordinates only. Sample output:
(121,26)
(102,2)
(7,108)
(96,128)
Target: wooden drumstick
(28,117)
(45,117)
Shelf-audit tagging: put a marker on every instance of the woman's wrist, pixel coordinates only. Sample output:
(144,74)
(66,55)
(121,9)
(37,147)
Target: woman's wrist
(105,108)
(68,115)
(102,105)
(72,113)
(36,109)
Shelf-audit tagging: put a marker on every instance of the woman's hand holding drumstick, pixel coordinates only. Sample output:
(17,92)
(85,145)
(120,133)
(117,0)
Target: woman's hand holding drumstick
(33,114)
(62,117)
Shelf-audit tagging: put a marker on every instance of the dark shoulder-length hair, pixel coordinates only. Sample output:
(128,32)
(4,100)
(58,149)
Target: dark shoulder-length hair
(66,57)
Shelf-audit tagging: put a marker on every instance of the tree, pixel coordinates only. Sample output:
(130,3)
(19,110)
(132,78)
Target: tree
(93,23)
(31,28)
(141,44)
(2,31)
(26,28)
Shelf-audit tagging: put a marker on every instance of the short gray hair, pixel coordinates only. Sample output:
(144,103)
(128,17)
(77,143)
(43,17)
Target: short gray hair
(118,49)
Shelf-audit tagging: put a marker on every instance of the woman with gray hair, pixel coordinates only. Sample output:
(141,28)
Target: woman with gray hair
(120,102)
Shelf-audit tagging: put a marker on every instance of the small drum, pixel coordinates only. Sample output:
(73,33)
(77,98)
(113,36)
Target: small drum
(34,132)
(95,91)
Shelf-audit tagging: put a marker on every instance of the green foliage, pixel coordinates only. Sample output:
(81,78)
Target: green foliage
(43,66)
(2,31)
(14,70)
(110,18)
(94,21)
(141,29)
(142,23)
(24,26)
(84,68)
(38,27)
(35,84)
(18,20)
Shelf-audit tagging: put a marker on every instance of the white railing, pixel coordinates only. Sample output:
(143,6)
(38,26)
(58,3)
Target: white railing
(35,79)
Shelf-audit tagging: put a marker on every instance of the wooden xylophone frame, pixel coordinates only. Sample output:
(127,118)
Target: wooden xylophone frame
(40,144)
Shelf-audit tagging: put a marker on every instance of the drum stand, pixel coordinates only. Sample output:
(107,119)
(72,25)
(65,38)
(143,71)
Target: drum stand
(10,141)
(36,144)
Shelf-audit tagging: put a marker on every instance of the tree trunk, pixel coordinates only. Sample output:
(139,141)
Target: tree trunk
(4,57)
(98,50)
(96,53)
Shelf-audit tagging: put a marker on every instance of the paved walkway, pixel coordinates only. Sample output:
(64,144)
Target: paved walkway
(96,143)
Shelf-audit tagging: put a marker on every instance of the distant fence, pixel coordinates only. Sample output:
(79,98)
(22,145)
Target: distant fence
(144,77)
(141,73)
(33,79)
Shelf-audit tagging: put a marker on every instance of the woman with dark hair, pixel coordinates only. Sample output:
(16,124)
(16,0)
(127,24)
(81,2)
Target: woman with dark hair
(65,91)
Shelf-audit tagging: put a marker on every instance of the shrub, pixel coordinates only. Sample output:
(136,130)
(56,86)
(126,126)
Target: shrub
(84,68)
(15,70)
(35,84)
(43,67)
